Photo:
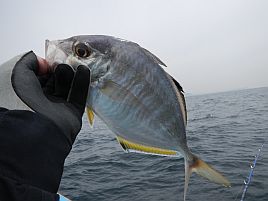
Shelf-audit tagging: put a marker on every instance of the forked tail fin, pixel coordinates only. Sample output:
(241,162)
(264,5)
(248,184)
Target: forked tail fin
(203,169)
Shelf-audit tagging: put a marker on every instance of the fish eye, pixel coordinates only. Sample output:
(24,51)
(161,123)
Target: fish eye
(82,50)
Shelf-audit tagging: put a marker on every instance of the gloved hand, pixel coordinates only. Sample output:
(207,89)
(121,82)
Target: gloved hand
(60,96)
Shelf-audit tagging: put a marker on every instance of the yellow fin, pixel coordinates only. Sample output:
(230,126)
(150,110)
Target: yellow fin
(201,168)
(127,145)
(90,115)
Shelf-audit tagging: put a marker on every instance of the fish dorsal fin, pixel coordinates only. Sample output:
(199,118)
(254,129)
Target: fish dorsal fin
(135,147)
(181,99)
(90,115)
(155,58)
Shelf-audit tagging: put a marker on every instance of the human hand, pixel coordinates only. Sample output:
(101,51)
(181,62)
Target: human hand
(60,96)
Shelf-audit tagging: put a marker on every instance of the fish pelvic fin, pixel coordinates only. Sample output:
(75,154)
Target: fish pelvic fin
(201,168)
(90,116)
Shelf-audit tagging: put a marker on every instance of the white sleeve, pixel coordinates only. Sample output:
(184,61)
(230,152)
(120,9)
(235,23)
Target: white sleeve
(8,98)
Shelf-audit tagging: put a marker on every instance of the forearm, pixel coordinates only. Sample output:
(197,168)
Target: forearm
(33,149)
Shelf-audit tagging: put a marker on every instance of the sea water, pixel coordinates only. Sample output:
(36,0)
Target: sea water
(224,129)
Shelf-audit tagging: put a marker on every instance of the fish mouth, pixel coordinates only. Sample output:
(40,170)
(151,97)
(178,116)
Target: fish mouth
(53,54)
(43,66)
(53,57)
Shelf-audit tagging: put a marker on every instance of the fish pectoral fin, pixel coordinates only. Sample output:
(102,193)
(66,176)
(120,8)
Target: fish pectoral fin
(90,115)
(201,168)
(128,146)
(116,92)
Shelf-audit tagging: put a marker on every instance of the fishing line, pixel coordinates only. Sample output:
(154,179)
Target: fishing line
(241,189)
(248,179)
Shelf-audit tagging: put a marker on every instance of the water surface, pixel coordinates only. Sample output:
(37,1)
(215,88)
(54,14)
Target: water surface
(224,129)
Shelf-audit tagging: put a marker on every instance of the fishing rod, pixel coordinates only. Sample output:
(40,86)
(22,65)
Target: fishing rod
(248,180)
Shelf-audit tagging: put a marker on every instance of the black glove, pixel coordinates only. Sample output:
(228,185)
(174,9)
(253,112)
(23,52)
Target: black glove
(60,96)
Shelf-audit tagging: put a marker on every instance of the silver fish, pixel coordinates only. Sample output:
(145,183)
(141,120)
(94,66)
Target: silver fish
(131,92)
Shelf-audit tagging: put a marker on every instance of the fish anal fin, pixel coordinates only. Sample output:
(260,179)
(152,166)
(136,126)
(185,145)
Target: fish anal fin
(90,115)
(203,169)
(128,145)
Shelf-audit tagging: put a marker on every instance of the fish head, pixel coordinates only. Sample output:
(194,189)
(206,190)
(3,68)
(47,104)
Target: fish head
(90,51)
(102,54)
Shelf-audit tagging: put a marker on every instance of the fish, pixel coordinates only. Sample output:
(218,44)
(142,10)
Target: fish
(134,96)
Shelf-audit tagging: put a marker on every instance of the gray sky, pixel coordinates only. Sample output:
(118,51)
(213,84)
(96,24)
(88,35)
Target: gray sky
(208,45)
